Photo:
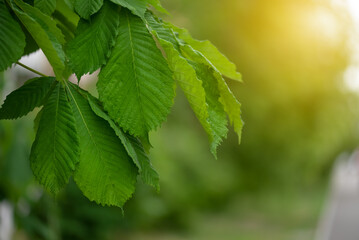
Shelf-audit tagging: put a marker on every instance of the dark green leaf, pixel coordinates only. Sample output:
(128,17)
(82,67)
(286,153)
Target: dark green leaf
(23,100)
(55,152)
(45,32)
(105,174)
(91,46)
(132,145)
(85,8)
(12,39)
(136,85)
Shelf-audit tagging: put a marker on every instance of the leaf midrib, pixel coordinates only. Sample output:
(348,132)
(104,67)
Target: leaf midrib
(83,120)
(55,133)
(135,72)
(88,130)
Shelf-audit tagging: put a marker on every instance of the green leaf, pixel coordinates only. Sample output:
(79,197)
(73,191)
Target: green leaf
(201,95)
(137,7)
(37,120)
(136,85)
(12,39)
(105,174)
(146,143)
(69,3)
(66,20)
(132,145)
(221,62)
(55,152)
(162,32)
(66,14)
(231,105)
(217,117)
(148,174)
(89,55)
(23,100)
(157,5)
(46,6)
(85,8)
(45,32)
(31,45)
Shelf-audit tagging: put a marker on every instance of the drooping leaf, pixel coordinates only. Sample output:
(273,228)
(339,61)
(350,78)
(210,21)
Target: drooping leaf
(146,143)
(105,174)
(221,62)
(91,46)
(23,100)
(157,5)
(55,152)
(46,6)
(217,117)
(45,32)
(201,95)
(231,105)
(148,174)
(133,147)
(12,39)
(162,32)
(137,7)
(85,8)
(136,85)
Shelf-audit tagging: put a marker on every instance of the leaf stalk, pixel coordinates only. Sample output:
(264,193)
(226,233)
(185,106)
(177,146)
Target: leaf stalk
(30,69)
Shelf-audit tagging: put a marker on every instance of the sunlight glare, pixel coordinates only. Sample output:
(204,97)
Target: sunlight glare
(351,76)
(323,23)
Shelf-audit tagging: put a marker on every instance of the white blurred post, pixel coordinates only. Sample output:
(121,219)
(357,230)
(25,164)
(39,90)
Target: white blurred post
(6,220)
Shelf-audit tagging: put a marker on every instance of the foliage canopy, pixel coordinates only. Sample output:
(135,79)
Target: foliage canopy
(100,141)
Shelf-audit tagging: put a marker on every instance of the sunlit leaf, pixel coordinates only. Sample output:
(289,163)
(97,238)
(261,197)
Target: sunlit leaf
(221,62)
(231,105)
(198,86)
(157,5)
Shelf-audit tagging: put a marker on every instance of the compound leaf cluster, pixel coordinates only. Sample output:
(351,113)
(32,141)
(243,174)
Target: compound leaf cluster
(102,142)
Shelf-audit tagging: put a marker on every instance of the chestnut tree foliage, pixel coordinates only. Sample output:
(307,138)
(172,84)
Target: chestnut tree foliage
(103,142)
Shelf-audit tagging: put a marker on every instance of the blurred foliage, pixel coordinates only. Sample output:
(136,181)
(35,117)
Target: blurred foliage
(292,54)
(299,116)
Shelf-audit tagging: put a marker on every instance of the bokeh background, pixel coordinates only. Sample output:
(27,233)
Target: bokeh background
(299,99)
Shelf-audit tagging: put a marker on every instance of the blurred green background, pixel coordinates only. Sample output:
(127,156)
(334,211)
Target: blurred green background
(299,116)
